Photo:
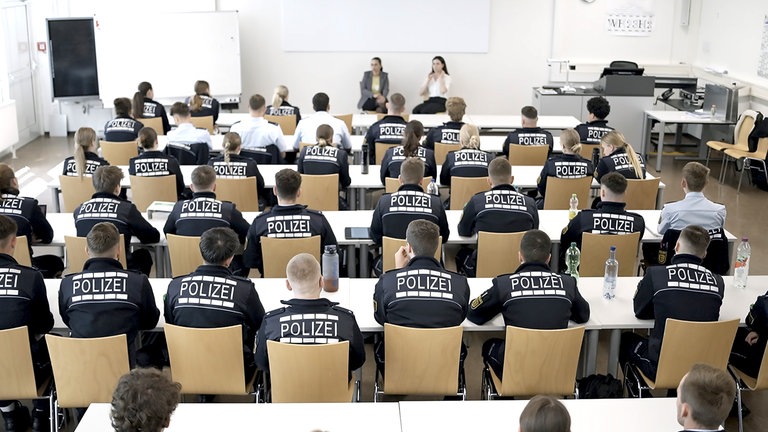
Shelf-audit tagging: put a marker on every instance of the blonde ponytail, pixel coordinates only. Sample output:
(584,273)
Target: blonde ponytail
(231,144)
(85,138)
(469,136)
(617,140)
(570,140)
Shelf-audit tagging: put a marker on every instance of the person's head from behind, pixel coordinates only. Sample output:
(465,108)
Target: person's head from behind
(203,179)
(422,238)
(612,187)
(103,241)
(180,112)
(396,104)
(231,144)
(324,135)
(411,171)
(85,141)
(469,136)
(147,138)
(438,65)
(695,176)
(8,182)
(303,276)
(8,229)
(218,246)
(545,414)
(144,92)
(499,172)
(280,95)
(122,107)
(258,105)
(693,240)
(598,108)
(287,185)
(456,108)
(570,141)
(412,134)
(704,397)
(321,102)
(535,247)
(106,179)
(529,116)
(202,88)
(144,401)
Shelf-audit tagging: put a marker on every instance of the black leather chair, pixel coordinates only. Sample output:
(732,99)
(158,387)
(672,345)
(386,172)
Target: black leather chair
(188,154)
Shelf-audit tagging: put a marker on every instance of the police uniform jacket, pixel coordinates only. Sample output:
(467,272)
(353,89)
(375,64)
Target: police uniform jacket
(154,109)
(395,211)
(92,161)
(195,216)
(258,133)
(212,296)
(757,319)
(694,209)
(501,209)
(683,290)
(564,166)
(620,162)
(310,321)
(238,167)
(30,220)
(106,300)
(608,218)
(23,299)
(107,207)
(389,130)
(322,160)
(448,133)
(122,129)
(528,136)
(464,163)
(210,107)
(422,294)
(286,221)
(592,132)
(532,297)
(394,157)
(156,163)
(285,109)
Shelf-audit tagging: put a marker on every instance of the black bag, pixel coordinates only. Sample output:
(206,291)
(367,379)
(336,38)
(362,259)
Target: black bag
(759,130)
(759,177)
(597,386)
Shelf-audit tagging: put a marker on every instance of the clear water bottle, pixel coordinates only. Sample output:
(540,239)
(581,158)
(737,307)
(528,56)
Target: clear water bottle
(573,260)
(330,269)
(611,275)
(364,168)
(574,207)
(741,267)
(432,188)
(713,111)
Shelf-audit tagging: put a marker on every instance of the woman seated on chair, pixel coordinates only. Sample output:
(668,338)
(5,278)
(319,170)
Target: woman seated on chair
(152,162)
(85,161)
(468,160)
(280,105)
(232,165)
(374,88)
(202,104)
(324,158)
(145,107)
(619,156)
(434,88)
(569,164)
(394,157)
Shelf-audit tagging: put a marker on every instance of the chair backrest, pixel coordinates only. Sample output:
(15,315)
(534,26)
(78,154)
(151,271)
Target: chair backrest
(21,252)
(391,185)
(184,253)
(540,361)
(686,343)
(75,191)
(380,116)
(155,123)
(595,248)
(320,192)
(309,373)
(743,128)
(86,371)
(241,191)
(188,154)
(207,360)
(559,191)
(442,150)
(276,252)
(422,361)
(587,150)
(16,372)
(119,153)
(464,188)
(347,119)
(147,189)
(204,122)
(265,156)
(391,245)
(528,155)
(497,253)
(761,381)
(382,148)
(623,64)
(287,123)
(641,194)
(716,259)
(77,255)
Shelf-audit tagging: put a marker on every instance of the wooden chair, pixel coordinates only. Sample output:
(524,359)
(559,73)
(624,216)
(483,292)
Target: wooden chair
(595,248)
(287,123)
(641,194)
(686,343)
(380,116)
(391,245)
(21,252)
(147,189)
(528,155)
(758,156)
(75,248)
(464,188)
(559,191)
(442,150)
(184,253)
(497,253)
(75,191)
(421,361)
(391,185)
(382,148)
(204,122)
(241,191)
(119,153)
(208,360)
(320,192)
(276,252)
(747,382)
(587,150)
(740,138)
(536,362)
(155,123)
(310,373)
(347,119)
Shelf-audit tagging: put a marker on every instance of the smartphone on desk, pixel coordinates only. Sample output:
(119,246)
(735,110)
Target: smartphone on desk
(357,233)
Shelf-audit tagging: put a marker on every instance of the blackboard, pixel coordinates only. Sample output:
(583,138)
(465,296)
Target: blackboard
(73,58)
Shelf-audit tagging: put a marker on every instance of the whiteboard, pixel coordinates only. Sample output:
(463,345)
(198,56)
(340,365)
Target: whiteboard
(431,26)
(171,51)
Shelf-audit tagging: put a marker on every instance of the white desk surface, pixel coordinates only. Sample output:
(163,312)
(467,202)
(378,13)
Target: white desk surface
(336,417)
(684,117)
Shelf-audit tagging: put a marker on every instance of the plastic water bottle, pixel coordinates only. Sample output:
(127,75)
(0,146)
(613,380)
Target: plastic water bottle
(611,275)
(330,269)
(574,203)
(713,111)
(741,268)
(573,260)
(364,168)
(432,188)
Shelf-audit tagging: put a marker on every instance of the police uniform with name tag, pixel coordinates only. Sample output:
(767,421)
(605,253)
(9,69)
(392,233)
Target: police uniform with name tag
(209,107)
(395,211)
(311,321)
(747,357)
(30,220)
(389,130)
(155,164)
(564,166)
(92,161)
(618,161)
(394,157)
(285,109)
(448,133)
(154,109)
(122,129)
(195,216)
(528,136)
(592,132)
(464,163)
(323,160)
(238,167)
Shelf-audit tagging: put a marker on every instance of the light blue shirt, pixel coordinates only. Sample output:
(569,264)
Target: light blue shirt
(258,133)
(694,209)
(306,130)
(186,133)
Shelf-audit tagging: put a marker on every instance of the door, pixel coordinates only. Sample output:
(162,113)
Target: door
(15,26)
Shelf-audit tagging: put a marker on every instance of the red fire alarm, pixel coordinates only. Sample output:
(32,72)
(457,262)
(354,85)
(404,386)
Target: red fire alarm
(41,46)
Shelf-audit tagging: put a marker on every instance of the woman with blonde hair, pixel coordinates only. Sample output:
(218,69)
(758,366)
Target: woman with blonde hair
(394,157)
(325,158)
(569,164)
(232,165)
(85,160)
(280,105)
(619,156)
(468,160)
(202,104)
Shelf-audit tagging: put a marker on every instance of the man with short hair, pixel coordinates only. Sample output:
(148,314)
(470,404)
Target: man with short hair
(286,220)
(306,130)
(219,299)
(500,210)
(448,133)
(185,132)
(123,127)
(518,297)
(258,133)
(695,208)
(530,134)
(107,206)
(596,126)
(683,290)
(704,398)
(144,401)
(389,129)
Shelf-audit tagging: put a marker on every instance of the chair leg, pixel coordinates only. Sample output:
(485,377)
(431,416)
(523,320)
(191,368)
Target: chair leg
(723,168)
(738,405)
(709,151)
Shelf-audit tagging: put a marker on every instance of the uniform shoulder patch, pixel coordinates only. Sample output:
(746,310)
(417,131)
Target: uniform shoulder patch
(273,312)
(476,302)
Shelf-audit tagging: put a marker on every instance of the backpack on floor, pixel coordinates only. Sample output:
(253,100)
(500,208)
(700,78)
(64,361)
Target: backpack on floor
(598,386)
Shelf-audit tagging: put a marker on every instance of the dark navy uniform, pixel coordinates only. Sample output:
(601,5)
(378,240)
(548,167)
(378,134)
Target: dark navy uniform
(448,133)
(195,216)
(31,223)
(154,164)
(564,166)
(394,157)
(286,221)
(746,357)
(464,163)
(532,297)
(210,107)
(389,130)
(618,161)
(317,321)
(211,297)
(92,161)
(322,160)
(285,109)
(122,129)
(395,211)
(528,136)
(683,290)
(154,109)
(238,167)
(592,132)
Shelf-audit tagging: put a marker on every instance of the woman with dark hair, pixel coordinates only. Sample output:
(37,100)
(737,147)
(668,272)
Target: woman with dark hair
(325,158)
(231,165)
(394,157)
(435,88)
(374,88)
(202,104)
(152,162)
(145,107)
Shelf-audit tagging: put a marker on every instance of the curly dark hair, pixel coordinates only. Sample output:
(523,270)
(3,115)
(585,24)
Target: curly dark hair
(144,401)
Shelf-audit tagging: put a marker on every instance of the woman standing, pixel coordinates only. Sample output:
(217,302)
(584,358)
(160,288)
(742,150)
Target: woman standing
(374,88)
(435,88)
